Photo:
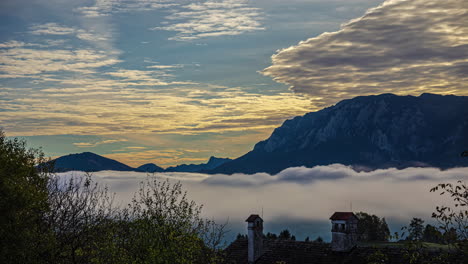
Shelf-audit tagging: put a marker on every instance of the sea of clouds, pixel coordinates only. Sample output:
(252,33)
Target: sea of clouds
(301,199)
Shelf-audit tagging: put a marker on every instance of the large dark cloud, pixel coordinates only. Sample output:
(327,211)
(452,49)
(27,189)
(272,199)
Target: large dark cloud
(402,46)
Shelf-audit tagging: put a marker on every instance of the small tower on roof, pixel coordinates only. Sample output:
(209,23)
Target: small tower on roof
(255,237)
(344,231)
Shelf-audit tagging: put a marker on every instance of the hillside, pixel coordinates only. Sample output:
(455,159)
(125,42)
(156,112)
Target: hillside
(367,132)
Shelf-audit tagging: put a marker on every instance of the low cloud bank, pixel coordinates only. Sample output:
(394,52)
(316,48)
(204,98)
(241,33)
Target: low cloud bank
(334,172)
(302,199)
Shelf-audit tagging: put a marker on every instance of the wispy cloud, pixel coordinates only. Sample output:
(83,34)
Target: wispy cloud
(51,29)
(164,66)
(12,44)
(402,46)
(102,106)
(211,19)
(94,144)
(89,35)
(24,62)
(107,7)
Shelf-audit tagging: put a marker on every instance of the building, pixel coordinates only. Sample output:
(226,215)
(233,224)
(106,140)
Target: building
(344,231)
(255,237)
(343,249)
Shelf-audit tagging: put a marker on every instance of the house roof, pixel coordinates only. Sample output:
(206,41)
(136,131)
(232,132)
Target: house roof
(299,252)
(252,218)
(342,216)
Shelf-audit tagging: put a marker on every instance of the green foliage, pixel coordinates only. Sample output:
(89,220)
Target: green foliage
(372,228)
(377,257)
(285,235)
(415,229)
(160,225)
(432,234)
(453,221)
(271,236)
(23,198)
(48,219)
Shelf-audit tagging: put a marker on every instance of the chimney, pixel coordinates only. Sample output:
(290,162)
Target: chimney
(255,235)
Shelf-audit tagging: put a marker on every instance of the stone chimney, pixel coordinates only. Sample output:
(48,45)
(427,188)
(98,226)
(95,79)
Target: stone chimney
(344,231)
(255,235)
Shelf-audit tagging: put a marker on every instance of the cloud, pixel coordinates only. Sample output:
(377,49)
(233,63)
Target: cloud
(107,7)
(334,172)
(401,46)
(91,35)
(24,62)
(94,144)
(212,19)
(164,66)
(302,195)
(51,29)
(12,44)
(97,106)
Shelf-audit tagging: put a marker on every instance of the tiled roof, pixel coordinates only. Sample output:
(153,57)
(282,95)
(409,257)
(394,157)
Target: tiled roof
(298,252)
(342,216)
(253,217)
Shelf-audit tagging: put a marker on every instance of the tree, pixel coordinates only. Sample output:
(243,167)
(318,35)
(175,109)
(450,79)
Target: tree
(49,219)
(23,199)
(271,236)
(415,229)
(455,217)
(432,235)
(164,226)
(79,211)
(319,240)
(372,228)
(285,235)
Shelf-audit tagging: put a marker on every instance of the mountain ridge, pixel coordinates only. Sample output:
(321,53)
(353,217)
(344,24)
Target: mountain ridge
(377,131)
(213,162)
(91,162)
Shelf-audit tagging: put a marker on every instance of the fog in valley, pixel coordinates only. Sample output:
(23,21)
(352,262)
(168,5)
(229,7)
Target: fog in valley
(300,199)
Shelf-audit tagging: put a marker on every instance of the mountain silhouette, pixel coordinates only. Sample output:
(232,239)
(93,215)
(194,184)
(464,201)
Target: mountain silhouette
(88,161)
(212,163)
(367,132)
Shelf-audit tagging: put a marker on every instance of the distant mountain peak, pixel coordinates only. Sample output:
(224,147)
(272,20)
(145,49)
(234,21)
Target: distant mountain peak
(88,161)
(150,167)
(213,162)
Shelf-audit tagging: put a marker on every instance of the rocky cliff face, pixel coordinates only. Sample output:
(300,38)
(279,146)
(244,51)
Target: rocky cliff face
(368,131)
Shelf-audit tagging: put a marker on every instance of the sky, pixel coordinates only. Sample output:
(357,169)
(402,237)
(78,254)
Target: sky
(175,81)
(300,199)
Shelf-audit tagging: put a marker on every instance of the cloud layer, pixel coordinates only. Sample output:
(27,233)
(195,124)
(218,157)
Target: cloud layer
(305,195)
(211,19)
(402,46)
